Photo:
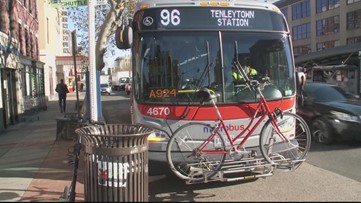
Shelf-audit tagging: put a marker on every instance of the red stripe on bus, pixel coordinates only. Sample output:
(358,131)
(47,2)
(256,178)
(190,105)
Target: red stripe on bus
(228,111)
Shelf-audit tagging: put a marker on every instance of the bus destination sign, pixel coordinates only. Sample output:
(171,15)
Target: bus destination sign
(208,18)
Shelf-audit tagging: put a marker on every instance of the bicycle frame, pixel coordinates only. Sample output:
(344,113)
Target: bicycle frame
(262,108)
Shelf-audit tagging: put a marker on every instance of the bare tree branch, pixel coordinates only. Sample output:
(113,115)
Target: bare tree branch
(108,18)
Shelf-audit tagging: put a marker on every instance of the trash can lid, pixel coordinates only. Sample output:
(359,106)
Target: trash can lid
(115,130)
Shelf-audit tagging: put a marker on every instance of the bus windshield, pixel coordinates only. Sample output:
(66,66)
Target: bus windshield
(171,66)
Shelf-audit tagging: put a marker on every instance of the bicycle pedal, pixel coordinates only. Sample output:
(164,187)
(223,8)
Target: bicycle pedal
(250,154)
(236,157)
(253,153)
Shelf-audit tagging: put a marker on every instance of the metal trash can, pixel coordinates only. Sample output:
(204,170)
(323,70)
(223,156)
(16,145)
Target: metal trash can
(78,104)
(115,162)
(66,125)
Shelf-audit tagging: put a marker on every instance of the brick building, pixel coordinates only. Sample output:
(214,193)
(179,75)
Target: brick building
(21,71)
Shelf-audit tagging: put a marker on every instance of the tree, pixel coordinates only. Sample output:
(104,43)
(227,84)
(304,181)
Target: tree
(107,19)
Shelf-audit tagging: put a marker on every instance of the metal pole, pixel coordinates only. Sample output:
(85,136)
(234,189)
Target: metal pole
(359,80)
(74,47)
(93,93)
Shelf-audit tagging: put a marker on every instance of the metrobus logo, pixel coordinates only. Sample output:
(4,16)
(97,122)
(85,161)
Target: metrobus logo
(229,127)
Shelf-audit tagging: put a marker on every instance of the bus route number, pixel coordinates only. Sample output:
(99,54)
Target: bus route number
(168,16)
(162,93)
(159,111)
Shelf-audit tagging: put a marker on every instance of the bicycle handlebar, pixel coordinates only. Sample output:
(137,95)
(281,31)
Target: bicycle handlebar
(255,83)
(207,94)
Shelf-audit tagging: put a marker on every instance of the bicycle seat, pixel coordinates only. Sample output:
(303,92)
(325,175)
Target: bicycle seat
(205,94)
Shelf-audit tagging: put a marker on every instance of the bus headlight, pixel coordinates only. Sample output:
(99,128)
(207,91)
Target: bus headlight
(158,136)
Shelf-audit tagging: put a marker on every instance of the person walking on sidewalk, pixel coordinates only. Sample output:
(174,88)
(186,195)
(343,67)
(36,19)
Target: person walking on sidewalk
(62,90)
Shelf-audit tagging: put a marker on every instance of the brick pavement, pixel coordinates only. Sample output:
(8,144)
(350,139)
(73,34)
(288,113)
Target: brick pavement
(34,165)
(55,173)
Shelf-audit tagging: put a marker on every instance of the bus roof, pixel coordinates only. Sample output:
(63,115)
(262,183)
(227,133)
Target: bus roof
(253,4)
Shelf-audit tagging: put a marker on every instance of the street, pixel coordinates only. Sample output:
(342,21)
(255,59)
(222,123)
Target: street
(331,173)
(343,158)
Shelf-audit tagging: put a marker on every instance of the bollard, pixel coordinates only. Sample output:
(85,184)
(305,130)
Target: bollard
(66,125)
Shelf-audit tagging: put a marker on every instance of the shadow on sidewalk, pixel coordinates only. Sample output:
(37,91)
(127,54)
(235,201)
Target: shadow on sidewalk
(54,175)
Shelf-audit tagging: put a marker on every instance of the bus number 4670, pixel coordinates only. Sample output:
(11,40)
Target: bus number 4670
(158,111)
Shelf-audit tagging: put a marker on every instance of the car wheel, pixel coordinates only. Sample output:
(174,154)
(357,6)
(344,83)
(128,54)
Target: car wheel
(321,133)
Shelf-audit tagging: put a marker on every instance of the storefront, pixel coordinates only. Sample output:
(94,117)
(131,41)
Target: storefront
(21,88)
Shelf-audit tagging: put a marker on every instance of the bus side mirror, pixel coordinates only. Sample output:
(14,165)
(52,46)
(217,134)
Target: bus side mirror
(124,37)
(301,101)
(301,79)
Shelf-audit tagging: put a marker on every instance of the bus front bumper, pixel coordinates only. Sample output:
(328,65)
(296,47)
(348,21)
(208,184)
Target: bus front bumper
(157,151)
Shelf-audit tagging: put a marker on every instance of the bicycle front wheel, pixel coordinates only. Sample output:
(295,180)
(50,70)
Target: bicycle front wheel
(186,160)
(290,145)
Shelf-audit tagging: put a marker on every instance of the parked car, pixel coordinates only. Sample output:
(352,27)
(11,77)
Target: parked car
(332,113)
(128,87)
(106,89)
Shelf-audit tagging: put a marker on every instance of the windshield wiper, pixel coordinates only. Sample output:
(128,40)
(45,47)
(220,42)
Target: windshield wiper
(200,82)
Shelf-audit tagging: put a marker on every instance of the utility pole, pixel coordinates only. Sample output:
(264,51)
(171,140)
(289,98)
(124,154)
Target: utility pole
(74,48)
(359,57)
(93,93)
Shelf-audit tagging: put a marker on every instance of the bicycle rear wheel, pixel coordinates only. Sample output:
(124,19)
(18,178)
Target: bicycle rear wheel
(184,158)
(293,150)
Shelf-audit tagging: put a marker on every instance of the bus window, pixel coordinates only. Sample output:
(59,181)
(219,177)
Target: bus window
(267,54)
(173,63)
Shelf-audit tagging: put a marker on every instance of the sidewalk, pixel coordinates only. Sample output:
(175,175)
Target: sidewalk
(33,164)
(34,168)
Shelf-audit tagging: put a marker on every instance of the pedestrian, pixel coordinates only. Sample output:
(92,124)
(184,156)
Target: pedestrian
(62,90)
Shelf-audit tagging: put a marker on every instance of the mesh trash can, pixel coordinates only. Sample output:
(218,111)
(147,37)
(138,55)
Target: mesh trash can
(116,162)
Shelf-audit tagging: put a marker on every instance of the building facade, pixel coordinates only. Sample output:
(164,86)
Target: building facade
(55,41)
(317,25)
(21,71)
(326,33)
(35,53)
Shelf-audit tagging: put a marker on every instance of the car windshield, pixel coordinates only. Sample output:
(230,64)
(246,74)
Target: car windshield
(124,80)
(326,93)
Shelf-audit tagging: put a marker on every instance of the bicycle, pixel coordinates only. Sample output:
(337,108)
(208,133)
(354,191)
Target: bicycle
(284,139)
(69,193)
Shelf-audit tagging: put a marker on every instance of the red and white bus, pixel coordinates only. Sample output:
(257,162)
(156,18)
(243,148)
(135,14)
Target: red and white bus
(180,46)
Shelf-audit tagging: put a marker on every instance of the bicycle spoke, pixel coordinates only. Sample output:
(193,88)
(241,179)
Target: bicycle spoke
(297,142)
(184,157)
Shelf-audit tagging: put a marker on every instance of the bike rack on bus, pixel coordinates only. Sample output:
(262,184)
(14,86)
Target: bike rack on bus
(246,168)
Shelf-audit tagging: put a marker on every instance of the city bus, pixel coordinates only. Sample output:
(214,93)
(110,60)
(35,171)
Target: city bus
(180,46)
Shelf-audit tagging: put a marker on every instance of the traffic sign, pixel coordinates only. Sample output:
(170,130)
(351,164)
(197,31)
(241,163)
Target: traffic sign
(68,3)
(101,2)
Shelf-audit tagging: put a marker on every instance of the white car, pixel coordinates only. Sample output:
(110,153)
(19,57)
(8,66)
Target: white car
(106,89)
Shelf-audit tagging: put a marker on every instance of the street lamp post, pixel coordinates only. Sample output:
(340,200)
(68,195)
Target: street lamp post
(74,45)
